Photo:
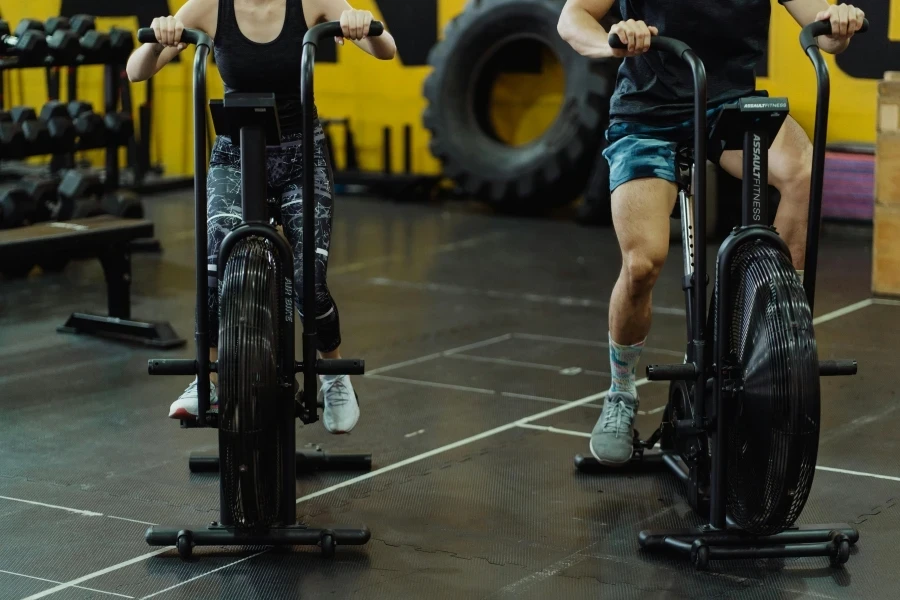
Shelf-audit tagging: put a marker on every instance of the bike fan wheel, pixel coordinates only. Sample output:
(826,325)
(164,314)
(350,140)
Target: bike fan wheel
(773,427)
(248,385)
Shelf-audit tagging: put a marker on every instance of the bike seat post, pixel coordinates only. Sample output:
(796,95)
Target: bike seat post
(253,174)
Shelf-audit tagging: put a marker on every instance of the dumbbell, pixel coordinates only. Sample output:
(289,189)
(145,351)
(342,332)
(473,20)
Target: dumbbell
(64,47)
(49,204)
(84,191)
(89,125)
(27,41)
(62,131)
(81,24)
(119,128)
(12,138)
(17,208)
(96,47)
(37,136)
(54,24)
(125,205)
(121,43)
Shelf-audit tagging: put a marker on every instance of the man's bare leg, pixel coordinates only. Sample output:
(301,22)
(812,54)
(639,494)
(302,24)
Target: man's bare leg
(641,209)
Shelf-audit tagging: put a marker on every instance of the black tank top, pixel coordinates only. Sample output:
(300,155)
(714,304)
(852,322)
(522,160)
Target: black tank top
(274,67)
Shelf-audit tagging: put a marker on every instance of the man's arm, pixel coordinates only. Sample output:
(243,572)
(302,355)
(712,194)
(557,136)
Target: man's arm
(579,25)
(845,21)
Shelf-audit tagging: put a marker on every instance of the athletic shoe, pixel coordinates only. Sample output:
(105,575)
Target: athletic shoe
(186,407)
(341,404)
(612,440)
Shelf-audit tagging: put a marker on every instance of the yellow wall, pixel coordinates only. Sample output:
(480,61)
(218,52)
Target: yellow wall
(375,93)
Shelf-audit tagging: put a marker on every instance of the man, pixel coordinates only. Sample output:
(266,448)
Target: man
(650,114)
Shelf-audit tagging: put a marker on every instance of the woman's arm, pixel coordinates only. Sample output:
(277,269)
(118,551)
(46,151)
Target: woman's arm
(356,26)
(148,59)
(845,21)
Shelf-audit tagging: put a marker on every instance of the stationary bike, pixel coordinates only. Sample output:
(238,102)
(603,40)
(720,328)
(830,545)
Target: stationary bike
(741,427)
(259,397)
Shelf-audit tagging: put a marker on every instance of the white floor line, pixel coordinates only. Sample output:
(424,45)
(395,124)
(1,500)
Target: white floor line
(843,311)
(568,301)
(857,473)
(95,574)
(448,247)
(885,302)
(204,574)
(435,384)
(591,343)
(554,430)
(130,520)
(86,513)
(818,467)
(542,399)
(57,582)
(518,363)
(428,357)
(460,443)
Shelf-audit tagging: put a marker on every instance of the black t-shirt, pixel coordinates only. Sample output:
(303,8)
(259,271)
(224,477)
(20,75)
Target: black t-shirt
(729,36)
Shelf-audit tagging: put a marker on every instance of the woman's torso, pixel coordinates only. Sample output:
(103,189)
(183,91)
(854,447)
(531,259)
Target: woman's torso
(271,65)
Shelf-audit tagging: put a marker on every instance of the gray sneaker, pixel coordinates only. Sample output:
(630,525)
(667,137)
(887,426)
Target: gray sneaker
(612,440)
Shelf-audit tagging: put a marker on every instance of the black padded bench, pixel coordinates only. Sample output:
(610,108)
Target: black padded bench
(108,239)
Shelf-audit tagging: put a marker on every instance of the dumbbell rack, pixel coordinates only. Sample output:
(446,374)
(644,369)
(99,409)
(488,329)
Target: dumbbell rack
(113,63)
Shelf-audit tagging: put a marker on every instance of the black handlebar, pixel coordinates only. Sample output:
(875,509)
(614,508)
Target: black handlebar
(194,37)
(813,30)
(663,43)
(333,29)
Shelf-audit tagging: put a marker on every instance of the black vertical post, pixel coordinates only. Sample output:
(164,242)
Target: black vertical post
(386,151)
(253,174)
(755,183)
(407,149)
(111,93)
(814,220)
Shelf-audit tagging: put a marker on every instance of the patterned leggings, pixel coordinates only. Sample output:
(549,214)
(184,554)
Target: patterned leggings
(285,171)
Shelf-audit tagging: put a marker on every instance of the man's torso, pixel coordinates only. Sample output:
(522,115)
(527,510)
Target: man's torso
(729,36)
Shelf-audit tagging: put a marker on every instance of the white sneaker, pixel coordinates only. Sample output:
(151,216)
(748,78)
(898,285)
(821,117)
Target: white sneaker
(341,406)
(186,407)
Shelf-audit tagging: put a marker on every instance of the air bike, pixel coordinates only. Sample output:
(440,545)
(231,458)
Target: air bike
(741,427)
(259,397)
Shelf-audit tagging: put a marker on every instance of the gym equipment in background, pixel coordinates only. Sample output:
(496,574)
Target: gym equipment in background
(746,455)
(256,367)
(543,174)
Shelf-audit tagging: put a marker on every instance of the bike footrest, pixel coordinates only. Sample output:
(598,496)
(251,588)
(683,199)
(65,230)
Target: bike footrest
(683,372)
(837,368)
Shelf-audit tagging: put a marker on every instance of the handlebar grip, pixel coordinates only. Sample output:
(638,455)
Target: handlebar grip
(809,33)
(177,366)
(658,42)
(333,29)
(189,36)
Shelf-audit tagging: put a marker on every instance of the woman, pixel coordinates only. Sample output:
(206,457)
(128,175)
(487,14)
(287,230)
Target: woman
(258,46)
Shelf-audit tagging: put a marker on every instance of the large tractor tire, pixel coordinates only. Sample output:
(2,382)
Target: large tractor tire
(546,173)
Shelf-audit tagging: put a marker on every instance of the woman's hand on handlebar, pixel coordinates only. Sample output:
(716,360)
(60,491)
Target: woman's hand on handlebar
(168,32)
(636,34)
(355,24)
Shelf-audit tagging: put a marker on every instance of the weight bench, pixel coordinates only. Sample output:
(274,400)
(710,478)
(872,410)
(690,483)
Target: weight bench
(108,239)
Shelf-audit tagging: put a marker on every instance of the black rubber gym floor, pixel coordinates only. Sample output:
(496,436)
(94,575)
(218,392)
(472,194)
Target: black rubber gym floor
(483,338)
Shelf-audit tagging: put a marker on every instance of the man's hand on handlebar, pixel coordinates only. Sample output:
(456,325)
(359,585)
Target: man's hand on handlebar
(636,34)
(845,21)
(168,32)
